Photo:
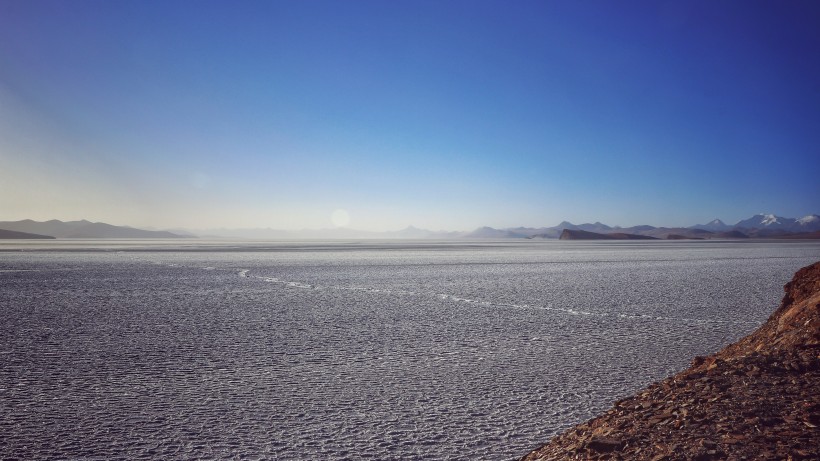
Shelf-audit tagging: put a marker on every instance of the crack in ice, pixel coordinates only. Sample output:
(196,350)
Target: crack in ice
(477,302)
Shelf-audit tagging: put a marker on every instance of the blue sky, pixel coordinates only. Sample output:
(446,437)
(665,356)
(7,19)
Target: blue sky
(441,114)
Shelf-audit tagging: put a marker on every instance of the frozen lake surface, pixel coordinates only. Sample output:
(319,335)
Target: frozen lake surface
(354,350)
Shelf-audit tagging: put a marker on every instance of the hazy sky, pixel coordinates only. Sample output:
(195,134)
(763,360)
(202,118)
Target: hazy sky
(440,114)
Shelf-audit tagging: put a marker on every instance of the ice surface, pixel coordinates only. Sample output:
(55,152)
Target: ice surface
(356,351)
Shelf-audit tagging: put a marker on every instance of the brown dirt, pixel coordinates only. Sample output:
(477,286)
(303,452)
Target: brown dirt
(757,399)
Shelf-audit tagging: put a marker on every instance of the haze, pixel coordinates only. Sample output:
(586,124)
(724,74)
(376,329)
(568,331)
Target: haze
(377,115)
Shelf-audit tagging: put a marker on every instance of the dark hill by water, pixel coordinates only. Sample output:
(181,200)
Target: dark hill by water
(7,234)
(577,234)
(82,229)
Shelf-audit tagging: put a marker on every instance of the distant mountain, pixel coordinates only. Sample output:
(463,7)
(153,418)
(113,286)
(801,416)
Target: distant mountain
(758,226)
(770,222)
(7,234)
(808,223)
(809,220)
(52,227)
(411,233)
(179,232)
(716,225)
(555,232)
(665,232)
(489,232)
(546,233)
(594,227)
(82,229)
(530,231)
(714,229)
(643,228)
(766,221)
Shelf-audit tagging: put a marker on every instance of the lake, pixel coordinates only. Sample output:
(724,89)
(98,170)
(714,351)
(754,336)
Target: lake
(354,350)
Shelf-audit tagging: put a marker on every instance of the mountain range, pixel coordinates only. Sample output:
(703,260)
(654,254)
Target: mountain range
(758,226)
(81,229)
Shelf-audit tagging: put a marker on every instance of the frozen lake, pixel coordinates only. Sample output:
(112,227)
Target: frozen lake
(354,350)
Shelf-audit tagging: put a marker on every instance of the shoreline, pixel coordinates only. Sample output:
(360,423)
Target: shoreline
(755,399)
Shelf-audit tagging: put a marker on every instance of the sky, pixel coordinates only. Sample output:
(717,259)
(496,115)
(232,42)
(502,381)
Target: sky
(377,115)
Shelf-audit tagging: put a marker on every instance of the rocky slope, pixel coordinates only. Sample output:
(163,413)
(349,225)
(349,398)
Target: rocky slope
(757,399)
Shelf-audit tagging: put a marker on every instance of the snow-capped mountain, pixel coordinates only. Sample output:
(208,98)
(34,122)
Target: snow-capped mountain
(810,220)
(770,219)
(766,221)
(808,223)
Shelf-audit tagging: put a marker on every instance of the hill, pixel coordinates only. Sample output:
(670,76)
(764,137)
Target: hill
(82,229)
(7,234)
(569,234)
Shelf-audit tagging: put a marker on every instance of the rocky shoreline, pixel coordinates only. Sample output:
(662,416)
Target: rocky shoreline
(757,399)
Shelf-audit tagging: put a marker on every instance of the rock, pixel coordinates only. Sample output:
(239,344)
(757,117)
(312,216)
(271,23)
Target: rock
(603,444)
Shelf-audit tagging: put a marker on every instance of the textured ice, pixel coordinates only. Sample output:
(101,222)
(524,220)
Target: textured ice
(355,351)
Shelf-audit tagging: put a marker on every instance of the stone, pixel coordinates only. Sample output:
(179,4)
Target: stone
(603,444)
